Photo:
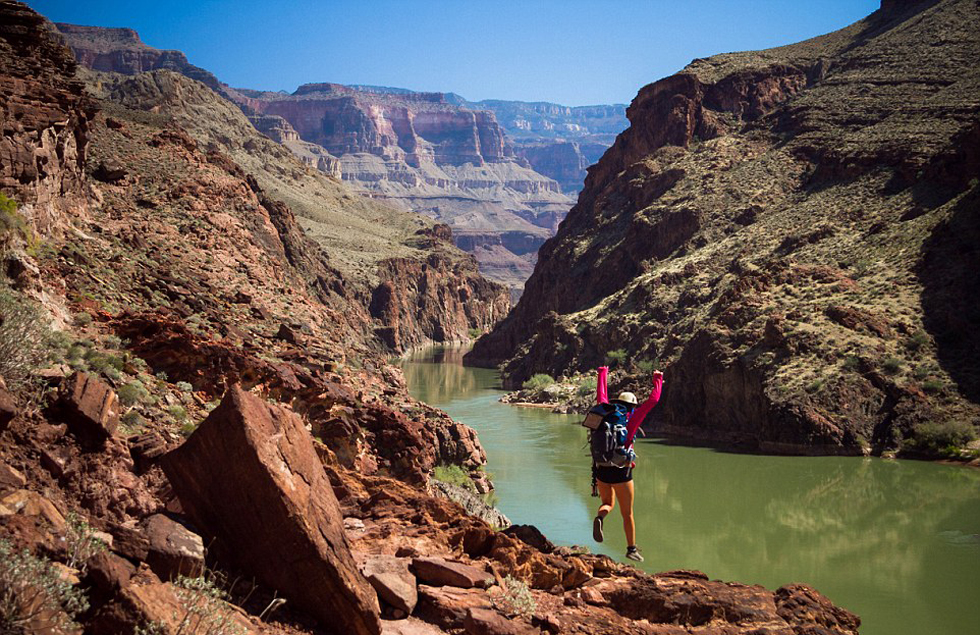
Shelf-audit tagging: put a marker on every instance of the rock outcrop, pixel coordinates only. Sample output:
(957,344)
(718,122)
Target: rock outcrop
(46,118)
(250,478)
(768,227)
(120,50)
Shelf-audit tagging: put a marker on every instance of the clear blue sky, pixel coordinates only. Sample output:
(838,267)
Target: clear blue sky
(572,52)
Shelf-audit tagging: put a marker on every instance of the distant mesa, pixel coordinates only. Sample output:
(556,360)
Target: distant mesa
(490,170)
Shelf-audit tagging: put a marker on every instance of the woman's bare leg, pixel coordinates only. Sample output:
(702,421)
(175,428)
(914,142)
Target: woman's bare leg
(608,498)
(624,491)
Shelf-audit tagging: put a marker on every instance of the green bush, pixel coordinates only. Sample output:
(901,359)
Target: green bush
(184,386)
(178,412)
(933,385)
(587,387)
(943,437)
(204,606)
(80,542)
(539,381)
(516,598)
(132,393)
(454,475)
(82,319)
(25,337)
(891,365)
(616,357)
(33,597)
(917,341)
(475,333)
(852,362)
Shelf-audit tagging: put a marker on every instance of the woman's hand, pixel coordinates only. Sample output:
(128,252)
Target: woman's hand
(660,374)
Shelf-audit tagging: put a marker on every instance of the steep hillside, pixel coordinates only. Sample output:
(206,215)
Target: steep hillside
(789,230)
(371,244)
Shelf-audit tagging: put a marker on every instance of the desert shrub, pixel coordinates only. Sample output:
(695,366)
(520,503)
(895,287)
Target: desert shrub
(82,319)
(943,437)
(184,386)
(852,362)
(33,597)
(814,386)
(540,381)
(917,341)
(587,387)
(891,365)
(25,336)
(81,542)
(178,412)
(454,475)
(132,393)
(647,366)
(203,602)
(616,357)
(132,420)
(474,333)
(932,385)
(920,372)
(516,598)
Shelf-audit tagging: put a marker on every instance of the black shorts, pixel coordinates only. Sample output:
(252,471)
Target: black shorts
(610,474)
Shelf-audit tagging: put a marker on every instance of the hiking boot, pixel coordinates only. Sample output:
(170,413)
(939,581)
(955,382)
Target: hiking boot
(597,529)
(634,554)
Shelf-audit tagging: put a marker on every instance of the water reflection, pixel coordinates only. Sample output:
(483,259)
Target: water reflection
(897,542)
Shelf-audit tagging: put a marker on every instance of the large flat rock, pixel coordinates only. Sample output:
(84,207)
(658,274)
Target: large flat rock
(250,478)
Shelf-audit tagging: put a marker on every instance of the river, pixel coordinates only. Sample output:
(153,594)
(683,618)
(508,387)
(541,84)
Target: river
(897,542)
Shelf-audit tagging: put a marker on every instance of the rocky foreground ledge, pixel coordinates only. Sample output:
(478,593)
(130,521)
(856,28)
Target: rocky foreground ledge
(348,553)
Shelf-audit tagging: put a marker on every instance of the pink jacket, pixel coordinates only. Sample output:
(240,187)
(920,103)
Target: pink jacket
(639,414)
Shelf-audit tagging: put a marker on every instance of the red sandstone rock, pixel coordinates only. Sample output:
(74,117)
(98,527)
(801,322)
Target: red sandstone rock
(486,622)
(30,503)
(392,579)
(249,477)
(10,478)
(90,409)
(174,550)
(441,572)
(447,607)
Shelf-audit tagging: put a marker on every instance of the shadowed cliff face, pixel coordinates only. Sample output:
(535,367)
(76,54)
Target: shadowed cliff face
(776,226)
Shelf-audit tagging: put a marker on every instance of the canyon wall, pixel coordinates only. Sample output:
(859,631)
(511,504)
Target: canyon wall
(769,227)
(46,118)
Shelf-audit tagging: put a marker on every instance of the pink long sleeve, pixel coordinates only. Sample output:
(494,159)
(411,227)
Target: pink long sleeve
(601,393)
(638,415)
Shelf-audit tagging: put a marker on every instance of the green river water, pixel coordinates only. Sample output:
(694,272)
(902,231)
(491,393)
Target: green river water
(897,542)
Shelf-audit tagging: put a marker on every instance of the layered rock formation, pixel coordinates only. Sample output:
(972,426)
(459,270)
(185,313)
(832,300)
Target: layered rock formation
(770,226)
(420,152)
(558,141)
(432,153)
(115,50)
(46,120)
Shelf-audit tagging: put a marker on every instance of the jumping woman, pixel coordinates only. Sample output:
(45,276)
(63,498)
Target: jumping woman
(614,482)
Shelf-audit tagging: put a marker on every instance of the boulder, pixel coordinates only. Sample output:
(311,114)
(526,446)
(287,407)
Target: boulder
(410,626)
(10,478)
(530,535)
(174,550)
(31,503)
(90,409)
(447,607)
(487,622)
(250,478)
(441,572)
(392,579)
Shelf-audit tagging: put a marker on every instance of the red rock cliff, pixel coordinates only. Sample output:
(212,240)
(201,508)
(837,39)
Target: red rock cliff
(45,117)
